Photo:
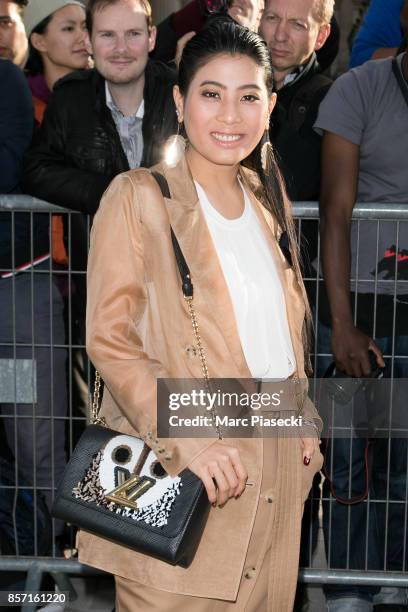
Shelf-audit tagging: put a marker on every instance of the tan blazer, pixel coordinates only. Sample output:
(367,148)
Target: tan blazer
(138,329)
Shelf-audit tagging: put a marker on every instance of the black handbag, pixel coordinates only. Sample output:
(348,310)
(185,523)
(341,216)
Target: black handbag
(115,487)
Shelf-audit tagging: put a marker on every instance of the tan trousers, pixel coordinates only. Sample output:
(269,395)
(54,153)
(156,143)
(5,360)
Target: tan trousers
(133,596)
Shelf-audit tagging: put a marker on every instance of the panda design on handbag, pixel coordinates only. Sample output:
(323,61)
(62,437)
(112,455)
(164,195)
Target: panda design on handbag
(126,478)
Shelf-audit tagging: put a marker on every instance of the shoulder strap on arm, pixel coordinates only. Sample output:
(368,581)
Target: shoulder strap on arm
(187,285)
(400,79)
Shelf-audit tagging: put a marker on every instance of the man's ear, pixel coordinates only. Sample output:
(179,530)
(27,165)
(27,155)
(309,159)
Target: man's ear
(272,102)
(323,35)
(152,38)
(179,102)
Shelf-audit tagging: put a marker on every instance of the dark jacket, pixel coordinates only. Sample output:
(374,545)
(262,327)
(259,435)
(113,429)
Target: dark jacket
(77,151)
(16,124)
(16,127)
(291,131)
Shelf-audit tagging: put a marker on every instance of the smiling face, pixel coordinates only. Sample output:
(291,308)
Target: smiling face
(225,110)
(13,39)
(121,41)
(247,12)
(291,32)
(64,42)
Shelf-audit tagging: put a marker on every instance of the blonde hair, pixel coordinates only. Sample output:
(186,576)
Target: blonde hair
(95,5)
(323,11)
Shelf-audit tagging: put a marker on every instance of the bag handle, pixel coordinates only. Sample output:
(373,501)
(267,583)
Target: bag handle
(188,293)
(400,79)
(187,285)
(186,282)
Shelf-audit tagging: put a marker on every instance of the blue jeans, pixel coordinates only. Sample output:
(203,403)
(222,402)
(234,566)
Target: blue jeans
(366,535)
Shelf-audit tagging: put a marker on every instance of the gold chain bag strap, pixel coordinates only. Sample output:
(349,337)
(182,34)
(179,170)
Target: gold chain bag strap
(96,419)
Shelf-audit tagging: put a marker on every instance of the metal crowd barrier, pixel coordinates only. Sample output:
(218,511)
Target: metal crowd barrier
(18,386)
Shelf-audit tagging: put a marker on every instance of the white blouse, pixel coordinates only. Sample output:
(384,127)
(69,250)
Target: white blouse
(255,289)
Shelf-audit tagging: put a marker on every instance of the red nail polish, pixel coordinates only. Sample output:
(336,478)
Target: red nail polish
(306,460)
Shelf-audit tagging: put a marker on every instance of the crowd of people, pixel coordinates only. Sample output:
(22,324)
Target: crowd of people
(91,91)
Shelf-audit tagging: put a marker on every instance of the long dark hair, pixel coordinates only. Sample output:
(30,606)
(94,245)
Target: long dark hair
(224,36)
(35,64)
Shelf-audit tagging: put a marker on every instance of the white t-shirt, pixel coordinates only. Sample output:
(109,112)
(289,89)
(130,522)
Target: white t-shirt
(255,289)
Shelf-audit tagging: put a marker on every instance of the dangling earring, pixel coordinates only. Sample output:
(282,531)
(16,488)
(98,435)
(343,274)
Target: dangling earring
(265,150)
(175,146)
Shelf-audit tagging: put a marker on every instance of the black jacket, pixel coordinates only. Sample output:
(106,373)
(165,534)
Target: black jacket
(291,131)
(16,127)
(16,124)
(77,150)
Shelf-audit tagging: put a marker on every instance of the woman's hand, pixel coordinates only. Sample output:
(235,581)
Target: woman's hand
(310,446)
(181,43)
(221,470)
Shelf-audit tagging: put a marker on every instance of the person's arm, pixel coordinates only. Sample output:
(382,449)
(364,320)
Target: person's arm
(49,174)
(340,166)
(188,19)
(384,52)
(16,125)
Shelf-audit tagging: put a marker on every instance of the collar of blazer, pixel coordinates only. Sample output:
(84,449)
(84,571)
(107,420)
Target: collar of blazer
(211,291)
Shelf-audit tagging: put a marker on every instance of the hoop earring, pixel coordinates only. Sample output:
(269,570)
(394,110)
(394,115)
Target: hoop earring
(266,147)
(175,147)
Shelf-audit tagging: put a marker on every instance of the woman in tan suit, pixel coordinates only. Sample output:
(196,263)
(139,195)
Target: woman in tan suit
(250,305)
